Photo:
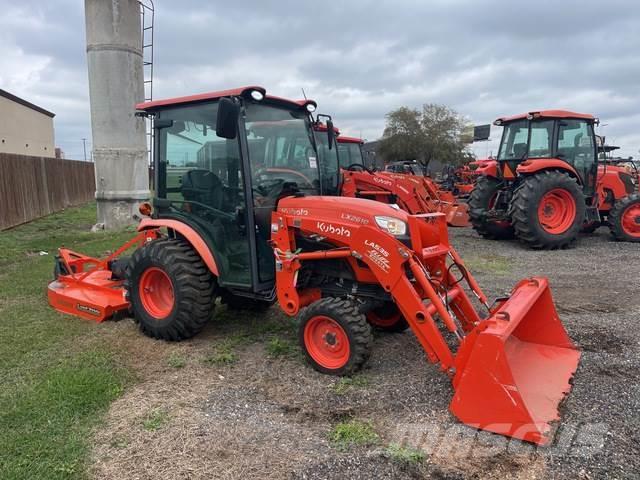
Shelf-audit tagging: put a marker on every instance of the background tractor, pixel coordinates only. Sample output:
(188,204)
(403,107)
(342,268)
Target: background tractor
(245,221)
(546,184)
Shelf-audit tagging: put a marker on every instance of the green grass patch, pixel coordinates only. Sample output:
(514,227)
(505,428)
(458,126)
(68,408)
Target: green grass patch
(223,353)
(280,347)
(405,454)
(347,384)
(494,264)
(155,420)
(353,432)
(176,360)
(56,378)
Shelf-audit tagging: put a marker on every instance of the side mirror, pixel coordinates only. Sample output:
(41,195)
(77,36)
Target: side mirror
(331,134)
(227,119)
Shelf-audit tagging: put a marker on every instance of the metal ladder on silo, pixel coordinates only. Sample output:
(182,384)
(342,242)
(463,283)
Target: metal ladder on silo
(146,22)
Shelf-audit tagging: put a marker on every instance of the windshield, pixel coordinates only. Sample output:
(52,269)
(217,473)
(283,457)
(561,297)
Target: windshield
(350,153)
(524,139)
(281,150)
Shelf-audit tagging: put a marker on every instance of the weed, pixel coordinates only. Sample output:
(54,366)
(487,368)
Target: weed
(405,454)
(280,347)
(223,354)
(346,384)
(353,432)
(176,360)
(155,420)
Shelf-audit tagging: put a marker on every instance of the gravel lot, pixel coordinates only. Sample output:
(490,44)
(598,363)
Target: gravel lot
(239,402)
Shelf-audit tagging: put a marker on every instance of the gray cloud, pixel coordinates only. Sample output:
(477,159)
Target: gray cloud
(359,59)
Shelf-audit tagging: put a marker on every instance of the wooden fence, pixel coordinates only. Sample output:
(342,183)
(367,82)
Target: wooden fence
(32,187)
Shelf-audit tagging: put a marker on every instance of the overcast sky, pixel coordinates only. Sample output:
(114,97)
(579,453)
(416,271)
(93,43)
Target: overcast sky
(358,59)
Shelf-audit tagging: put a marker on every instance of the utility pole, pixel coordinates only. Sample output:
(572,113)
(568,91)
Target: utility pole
(84,148)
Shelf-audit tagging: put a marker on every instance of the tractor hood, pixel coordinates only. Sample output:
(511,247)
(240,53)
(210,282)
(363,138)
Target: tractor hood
(357,211)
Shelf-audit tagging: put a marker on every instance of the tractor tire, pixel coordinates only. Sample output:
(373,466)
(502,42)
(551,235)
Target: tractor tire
(335,336)
(547,210)
(624,219)
(480,202)
(387,318)
(170,289)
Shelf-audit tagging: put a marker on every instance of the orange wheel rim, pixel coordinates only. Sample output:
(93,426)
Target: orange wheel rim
(156,293)
(630,220)
(326,342)
(557,211)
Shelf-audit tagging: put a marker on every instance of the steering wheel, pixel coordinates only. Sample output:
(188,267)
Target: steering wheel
(358,166)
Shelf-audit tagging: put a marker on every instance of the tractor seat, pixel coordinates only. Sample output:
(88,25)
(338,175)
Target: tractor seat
(203,186)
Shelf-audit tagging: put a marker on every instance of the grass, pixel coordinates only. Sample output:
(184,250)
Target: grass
(280,347)
(57,378)
(347,384)
(494,264)
(176,360)
(223,353)
(405,454)
(353,432)
(155,420)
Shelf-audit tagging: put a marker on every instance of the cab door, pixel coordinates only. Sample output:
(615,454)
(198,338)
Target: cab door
(576,146)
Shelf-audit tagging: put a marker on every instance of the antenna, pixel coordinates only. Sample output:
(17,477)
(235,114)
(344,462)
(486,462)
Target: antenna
(303,94)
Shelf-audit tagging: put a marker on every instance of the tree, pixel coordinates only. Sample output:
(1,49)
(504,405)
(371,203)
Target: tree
(435,133)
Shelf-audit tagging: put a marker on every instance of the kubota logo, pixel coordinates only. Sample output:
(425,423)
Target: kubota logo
(295,211)
(333,230)
(382,181)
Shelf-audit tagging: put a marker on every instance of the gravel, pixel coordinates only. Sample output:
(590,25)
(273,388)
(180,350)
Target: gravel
(264,417)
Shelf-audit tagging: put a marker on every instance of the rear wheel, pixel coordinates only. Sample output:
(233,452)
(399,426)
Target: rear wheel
(170,289)
(387,318)
(481,201)
(624,219)
(335,336)
(547,210)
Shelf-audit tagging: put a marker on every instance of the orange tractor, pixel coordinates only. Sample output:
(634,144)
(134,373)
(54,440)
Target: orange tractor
(547,185)
(233,225)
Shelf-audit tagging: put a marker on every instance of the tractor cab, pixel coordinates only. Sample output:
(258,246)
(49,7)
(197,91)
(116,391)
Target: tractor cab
(222,161)
(350,151)
(549,139)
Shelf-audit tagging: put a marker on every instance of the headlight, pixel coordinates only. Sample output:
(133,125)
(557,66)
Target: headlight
(394,226)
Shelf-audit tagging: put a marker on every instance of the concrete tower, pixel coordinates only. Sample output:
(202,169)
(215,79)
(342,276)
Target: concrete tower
(114,58)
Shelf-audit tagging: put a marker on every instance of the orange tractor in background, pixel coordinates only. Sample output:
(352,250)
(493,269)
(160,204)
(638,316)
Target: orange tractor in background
(412,192)
(547,184)
(238,214)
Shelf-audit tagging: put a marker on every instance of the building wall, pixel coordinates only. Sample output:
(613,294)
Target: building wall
(25,131)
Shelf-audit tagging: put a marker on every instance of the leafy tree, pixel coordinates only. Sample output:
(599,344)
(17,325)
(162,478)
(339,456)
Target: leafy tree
(435,133)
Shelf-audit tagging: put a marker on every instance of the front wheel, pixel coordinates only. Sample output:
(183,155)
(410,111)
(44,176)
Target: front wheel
(481,201)
(548,210)
(624,219)
(170,289)
(335,336)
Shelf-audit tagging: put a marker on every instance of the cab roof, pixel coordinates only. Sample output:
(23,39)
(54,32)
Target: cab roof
(547,114)
(233,92)
(342,139)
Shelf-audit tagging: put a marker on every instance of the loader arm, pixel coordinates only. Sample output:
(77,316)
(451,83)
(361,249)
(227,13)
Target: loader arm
(512,365)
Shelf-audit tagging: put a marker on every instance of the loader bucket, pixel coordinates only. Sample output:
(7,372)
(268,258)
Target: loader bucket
(458,215)
(514,368)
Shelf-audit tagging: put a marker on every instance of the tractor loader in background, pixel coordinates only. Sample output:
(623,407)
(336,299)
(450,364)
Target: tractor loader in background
(245,220)
(412,193)
(547,184)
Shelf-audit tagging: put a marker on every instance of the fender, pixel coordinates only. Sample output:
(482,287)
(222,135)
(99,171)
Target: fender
(529,167)
(487,168)
(189,234)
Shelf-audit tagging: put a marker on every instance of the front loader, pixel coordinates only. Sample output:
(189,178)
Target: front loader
(238,216)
